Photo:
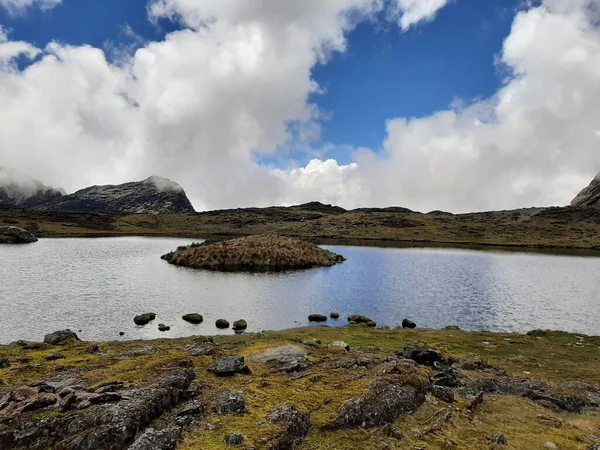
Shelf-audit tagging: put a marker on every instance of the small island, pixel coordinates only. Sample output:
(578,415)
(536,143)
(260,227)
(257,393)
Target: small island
(263,253)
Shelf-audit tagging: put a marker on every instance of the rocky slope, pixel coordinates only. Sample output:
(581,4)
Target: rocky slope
(16,190)
(590,196)
(153,195)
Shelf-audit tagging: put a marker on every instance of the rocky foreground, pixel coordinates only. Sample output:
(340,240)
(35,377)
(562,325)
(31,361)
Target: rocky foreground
(312,388)
(261,253)
(15,235)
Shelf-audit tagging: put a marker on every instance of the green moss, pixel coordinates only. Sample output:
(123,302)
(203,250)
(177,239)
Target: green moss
(144,319)
(193,318)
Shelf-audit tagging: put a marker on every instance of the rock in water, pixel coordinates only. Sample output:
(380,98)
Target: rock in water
(154,195)
(144,319)
(222,324)
(15,235)
(60,337)
(240,325)
(317,318)
(590,196)
(193,318)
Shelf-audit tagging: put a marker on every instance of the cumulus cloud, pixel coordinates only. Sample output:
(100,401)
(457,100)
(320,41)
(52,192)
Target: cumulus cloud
(19,6)
(413,12)
(202,106)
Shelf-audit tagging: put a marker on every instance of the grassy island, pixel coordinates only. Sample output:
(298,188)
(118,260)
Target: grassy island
(438,389)
(262,253)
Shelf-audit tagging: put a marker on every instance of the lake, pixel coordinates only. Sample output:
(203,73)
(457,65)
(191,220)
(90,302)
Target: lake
(99,285)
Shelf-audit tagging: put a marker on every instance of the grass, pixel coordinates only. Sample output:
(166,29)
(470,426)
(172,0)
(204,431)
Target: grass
(552,356)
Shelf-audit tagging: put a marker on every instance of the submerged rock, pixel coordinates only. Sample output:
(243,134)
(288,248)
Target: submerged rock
(15,235)
(163,327)
(227,366)
(357,318)
(61,337)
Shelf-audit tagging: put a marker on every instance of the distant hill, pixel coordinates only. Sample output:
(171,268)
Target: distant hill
(154,195)
(16,190)
(590,196)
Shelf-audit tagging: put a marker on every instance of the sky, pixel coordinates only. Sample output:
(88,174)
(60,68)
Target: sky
(459,105)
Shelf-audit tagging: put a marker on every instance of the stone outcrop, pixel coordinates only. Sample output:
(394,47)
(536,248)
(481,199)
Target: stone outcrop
(153,195)
(590,196)
(15,235)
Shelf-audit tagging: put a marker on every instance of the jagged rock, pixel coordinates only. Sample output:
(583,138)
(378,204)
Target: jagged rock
(383,402)
(153,195)
(229,365)
(443,393)
(230,402)
(422,354)
(15,235)
(231,440)
(590,196)
(202,348)
(109,426)
(151,439)
(61,337)
(288,358)
(445,375)
(295,427)
(192,408)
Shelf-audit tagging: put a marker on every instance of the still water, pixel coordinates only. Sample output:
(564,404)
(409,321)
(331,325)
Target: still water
(99,285)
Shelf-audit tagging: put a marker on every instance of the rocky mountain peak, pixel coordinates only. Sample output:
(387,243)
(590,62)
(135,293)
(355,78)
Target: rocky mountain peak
(590,196)
(19,190)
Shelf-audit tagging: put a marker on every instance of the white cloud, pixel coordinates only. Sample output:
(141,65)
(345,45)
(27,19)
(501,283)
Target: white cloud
(198,107)
(413,12)
(19,6)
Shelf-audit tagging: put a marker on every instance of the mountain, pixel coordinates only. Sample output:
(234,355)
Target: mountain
(590,196)
(23,192)
(153,195)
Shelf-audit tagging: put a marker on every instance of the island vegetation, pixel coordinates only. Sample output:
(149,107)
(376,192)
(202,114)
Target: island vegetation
(311,388)
(261,253)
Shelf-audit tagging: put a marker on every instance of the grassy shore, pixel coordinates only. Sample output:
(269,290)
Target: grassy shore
(329,381)
(555,228)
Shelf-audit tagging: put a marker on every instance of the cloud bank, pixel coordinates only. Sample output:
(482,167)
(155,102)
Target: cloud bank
(19,6)
(203,105)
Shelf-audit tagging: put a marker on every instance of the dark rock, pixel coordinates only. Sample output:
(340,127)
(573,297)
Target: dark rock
(55,356)
(229,365)
(406,323)
(453,327)
(445,375)
(109,426)
(443,393)
(154,195)
(234,439)
(202,348)
(144,319)
(151,439)
(121,333)
(109,387)
(422,354)
(295,427)
(19,191)
(590,196)
(231,402)
(317,318)
(61,337)
(288,358)
(222,324)
(357,318)
(163,327)
(335,315)
(193,318)
(239,325)
(15,235)
(192,408)
(538,333)
(382,403)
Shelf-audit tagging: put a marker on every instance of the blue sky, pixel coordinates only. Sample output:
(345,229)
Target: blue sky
(385,73)
(458,105)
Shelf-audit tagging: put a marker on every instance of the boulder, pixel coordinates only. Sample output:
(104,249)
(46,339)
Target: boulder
(233,439)
(151,439)
(227,366)
(422,354)
(61,337)
(357,318)
(317,318)
(144,319)
(384,401)
(296,426)
(288,358)
(202,348)
(163,327)
(239,325)
(339,345)
(192,408)
(443,393)
(15,235)
(230,402)
(334,315)
(222,324)
(193,318)
(406,323)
